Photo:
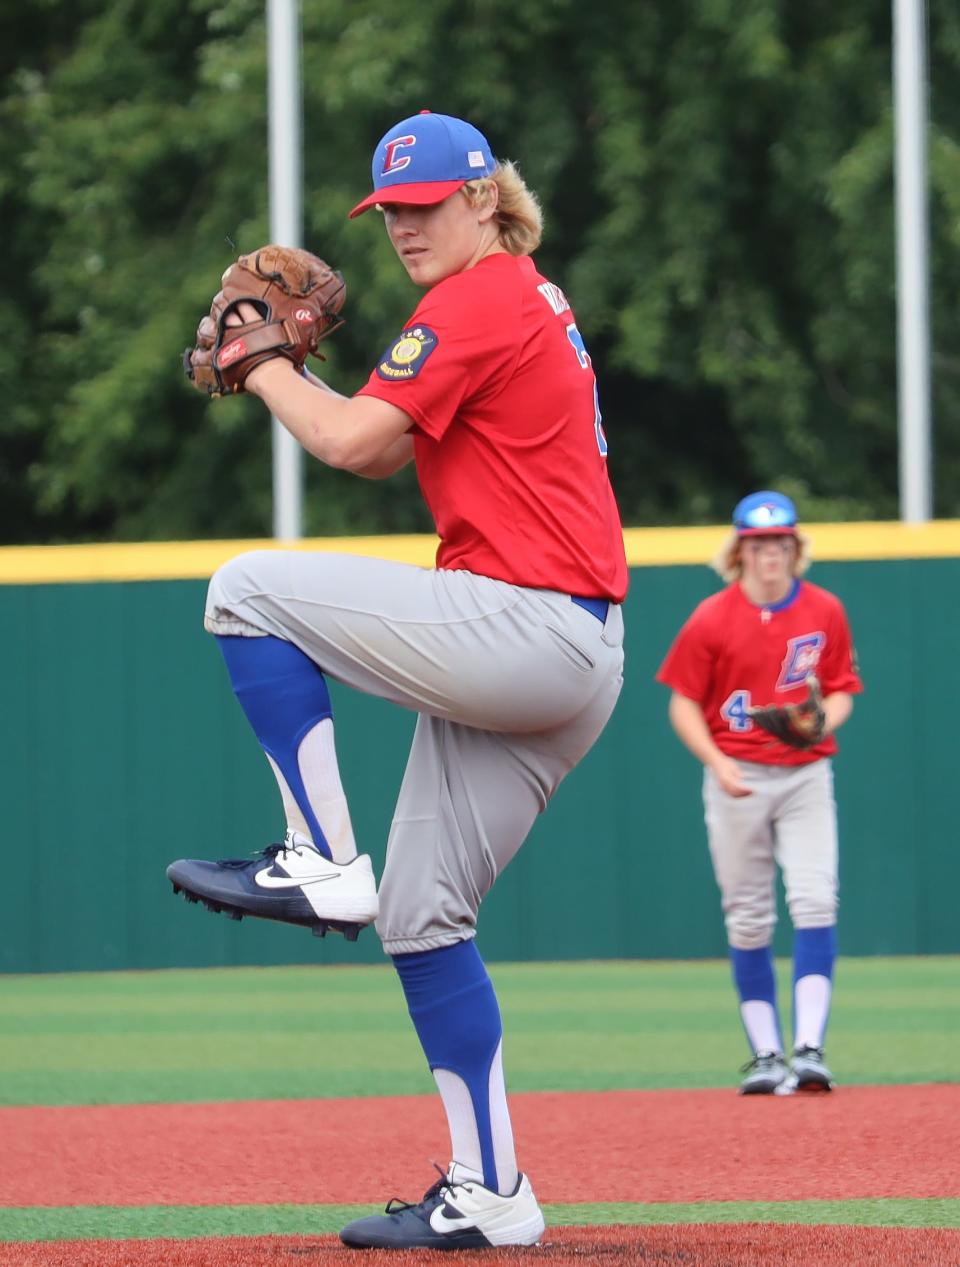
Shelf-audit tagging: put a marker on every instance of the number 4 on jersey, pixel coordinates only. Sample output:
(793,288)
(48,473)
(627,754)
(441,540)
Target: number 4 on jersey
(735,711)
(583,356)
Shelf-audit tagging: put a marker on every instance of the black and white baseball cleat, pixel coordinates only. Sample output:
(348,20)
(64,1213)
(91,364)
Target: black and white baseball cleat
(766,1073)
(454,1214)
(292,883)
(808,1071)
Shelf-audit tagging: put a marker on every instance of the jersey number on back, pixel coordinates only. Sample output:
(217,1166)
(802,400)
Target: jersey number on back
(583,356)
(734,711)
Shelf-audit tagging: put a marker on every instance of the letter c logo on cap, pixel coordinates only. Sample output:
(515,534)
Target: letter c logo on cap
(393,162)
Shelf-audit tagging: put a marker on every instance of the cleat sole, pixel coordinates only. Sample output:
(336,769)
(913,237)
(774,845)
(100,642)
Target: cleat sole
(349,931)
(318,927)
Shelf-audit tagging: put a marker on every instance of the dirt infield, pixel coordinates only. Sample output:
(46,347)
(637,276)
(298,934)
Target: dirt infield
(745,1245)
(633,1146)
(664,1146)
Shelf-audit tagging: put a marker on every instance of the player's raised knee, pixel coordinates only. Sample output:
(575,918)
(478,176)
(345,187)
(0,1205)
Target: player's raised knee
(233,583)
(239,577)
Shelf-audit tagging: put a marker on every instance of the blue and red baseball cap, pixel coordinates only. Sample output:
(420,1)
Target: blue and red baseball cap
(765,513)
(426,158)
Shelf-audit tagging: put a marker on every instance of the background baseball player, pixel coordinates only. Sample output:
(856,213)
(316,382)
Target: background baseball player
(744,668)
(510,650)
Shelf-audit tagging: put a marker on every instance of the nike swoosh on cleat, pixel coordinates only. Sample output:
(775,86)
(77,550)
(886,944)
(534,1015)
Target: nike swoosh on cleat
(267,881)
(441,1223)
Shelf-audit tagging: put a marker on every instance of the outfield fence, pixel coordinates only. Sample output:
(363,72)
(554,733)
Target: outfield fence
(124,748)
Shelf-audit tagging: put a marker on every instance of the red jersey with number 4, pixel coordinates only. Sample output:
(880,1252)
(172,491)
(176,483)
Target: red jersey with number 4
(731,655)
(509,448)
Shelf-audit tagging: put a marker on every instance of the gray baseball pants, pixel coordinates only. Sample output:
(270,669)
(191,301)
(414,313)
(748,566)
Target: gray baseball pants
(790,821)
(512,687)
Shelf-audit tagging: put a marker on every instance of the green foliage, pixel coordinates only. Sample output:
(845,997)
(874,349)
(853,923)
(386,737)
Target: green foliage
(718,187)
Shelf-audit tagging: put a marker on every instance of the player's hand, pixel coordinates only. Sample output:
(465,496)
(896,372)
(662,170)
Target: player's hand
(730,777)
(242,315)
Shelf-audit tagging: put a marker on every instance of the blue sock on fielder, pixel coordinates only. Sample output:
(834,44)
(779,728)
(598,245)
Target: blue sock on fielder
(814,955)
(756,982)
(454,1009)
(753,974)
(284,695)
(814,952)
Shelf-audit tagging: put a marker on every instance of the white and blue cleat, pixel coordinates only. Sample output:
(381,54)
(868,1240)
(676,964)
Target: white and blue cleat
(454,1214)
(292,883)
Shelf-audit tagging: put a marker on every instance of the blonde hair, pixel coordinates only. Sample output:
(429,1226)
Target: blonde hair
(729,566)
(518,217)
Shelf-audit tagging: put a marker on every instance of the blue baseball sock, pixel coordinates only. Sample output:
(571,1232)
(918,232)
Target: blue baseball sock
(454,1010)
(756,985)
(284,694)
(814,952)
(753,974)
(814,955)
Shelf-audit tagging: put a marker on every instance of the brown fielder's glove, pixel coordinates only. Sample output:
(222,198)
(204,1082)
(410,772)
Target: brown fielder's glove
(799,725)
(298,298)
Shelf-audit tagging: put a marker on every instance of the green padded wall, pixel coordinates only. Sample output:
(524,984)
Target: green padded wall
(124,748)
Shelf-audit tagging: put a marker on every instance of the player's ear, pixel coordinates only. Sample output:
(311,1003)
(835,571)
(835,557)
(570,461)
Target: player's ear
(726,562)
(484,197)
(804,555)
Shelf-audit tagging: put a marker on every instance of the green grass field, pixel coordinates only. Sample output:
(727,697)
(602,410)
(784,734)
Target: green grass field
(223,1034)
(119,1222)
(234,1034)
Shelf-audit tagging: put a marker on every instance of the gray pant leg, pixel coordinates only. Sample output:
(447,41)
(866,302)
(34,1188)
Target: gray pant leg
(740,838)
(513,687)
(448,643)
(468,801)
(807,848)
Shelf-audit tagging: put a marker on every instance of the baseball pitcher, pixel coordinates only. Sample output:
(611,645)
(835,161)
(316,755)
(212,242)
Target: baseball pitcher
(510,650)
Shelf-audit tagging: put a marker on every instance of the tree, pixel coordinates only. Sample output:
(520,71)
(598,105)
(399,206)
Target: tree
(717,180)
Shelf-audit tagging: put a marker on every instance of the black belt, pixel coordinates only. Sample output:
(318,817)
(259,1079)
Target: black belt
(595,606)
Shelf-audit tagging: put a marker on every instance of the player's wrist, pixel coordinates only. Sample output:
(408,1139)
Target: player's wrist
(269,374)
(717,762)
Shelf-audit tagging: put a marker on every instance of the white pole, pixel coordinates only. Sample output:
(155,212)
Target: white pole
(913,316)
(286,227)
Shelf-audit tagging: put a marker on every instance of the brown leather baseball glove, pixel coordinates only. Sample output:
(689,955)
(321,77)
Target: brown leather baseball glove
(799,725)
(298,298)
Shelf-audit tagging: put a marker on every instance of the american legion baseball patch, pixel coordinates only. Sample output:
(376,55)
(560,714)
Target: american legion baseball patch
(406,357)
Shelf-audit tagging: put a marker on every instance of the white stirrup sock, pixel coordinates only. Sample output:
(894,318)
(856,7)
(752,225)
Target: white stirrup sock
(811,1007)
(317,760)
(464,1136)
(760,1022)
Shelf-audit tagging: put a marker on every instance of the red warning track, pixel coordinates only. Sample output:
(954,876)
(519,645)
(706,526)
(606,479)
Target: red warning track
(637,1146)
(744,1245)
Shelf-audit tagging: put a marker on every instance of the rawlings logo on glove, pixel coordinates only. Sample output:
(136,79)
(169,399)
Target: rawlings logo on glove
(298,299)
(799,725)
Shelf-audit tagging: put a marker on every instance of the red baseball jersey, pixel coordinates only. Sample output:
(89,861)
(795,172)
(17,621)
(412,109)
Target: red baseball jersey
(731,655)
(508,442)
